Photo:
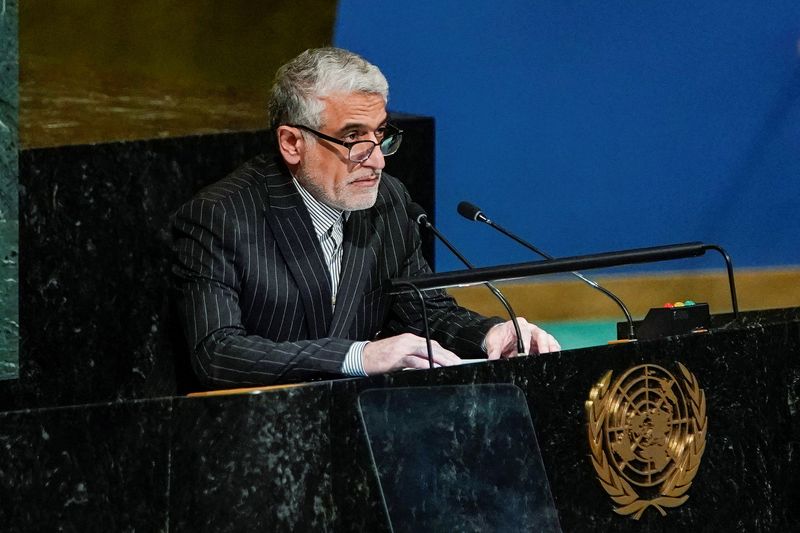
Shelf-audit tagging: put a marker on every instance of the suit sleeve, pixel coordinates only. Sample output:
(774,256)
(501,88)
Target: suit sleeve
(208,281)
(453,326)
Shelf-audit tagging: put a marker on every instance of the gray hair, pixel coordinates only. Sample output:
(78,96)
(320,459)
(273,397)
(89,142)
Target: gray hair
(302,82)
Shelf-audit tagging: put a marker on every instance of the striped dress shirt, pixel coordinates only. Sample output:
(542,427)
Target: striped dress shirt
(329,227)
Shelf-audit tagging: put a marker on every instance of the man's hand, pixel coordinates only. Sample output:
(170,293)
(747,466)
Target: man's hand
(403,351)
(501,340)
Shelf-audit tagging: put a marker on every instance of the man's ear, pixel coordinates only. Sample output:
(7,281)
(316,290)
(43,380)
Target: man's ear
(290,144)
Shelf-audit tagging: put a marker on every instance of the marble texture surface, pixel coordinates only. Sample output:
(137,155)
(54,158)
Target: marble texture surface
(299,460)
(266,458)
(94,302)
(96,468)
(9,232)
(9,108)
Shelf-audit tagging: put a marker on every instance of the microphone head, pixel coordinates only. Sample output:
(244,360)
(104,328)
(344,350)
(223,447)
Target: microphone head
(470,211)
(416,213)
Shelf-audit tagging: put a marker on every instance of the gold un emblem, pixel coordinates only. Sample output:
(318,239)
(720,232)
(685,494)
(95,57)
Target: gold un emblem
(647,434)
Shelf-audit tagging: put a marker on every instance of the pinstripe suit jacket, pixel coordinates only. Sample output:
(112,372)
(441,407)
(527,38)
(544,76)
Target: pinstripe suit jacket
(254,292)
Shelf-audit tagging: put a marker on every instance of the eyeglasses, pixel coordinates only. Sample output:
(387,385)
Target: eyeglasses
(389,141)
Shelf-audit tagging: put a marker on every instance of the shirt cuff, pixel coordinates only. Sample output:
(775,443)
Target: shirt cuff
(353,364)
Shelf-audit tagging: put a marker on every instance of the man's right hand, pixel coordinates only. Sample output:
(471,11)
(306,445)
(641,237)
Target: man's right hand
(403,351)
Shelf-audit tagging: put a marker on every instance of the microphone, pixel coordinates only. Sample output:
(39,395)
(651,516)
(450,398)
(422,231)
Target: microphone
(418,215)
(473,212)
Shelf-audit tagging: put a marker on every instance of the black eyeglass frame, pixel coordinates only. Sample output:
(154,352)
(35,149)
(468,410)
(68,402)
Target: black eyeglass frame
(396,132)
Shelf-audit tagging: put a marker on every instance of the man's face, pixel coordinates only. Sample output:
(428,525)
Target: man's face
(325,170)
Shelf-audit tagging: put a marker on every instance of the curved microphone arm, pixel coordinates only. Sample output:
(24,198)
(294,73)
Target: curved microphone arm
(424,319)
(472,212)
(423,220)
(613,297)
(731,283)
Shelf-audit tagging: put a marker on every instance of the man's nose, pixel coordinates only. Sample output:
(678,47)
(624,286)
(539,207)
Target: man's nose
(375,160)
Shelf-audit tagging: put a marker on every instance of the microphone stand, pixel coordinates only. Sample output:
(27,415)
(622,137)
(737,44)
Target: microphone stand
(731,283)
(424,319)
(567,264)
(423,220)
(480,217)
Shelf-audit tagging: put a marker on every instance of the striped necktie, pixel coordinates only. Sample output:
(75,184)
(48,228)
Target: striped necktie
(334,256)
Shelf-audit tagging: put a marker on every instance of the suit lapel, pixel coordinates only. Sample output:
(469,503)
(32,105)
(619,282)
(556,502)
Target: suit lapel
(361,243)
(294,234)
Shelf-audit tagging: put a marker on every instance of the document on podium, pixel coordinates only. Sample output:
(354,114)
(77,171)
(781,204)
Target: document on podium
(461,362)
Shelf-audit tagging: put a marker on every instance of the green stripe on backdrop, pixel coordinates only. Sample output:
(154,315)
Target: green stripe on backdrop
(581,334)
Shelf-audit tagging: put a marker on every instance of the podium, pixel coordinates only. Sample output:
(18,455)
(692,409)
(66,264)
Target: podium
(307,458)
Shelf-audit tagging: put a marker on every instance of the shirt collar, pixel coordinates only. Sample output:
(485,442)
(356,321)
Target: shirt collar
(322,216)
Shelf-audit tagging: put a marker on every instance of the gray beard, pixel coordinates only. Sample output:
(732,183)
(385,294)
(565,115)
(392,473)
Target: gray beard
(321,195)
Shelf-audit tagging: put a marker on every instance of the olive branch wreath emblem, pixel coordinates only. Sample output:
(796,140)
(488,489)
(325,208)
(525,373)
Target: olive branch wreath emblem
(672,492)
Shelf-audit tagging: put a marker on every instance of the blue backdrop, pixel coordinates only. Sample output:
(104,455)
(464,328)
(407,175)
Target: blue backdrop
(593,126)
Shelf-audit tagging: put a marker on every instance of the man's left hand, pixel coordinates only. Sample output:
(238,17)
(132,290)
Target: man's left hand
(501,340)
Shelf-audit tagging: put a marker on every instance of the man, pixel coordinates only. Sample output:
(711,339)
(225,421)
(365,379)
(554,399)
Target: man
(280,265)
